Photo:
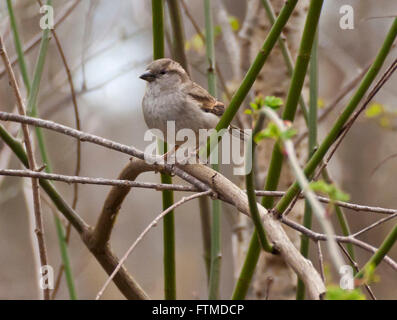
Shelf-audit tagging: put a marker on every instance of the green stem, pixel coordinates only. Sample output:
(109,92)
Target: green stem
(169,242)
(47,186)
(79,225)
(318,156)
(250,185)
(178,33)
(385,247)
(248,269)
(158,29)
(206,233)
(312,127)
(344,225)
(286,54)
(33,91)
(294,93)
(18,47)
(253,71)
(216,253)
(167,195)
(257,65)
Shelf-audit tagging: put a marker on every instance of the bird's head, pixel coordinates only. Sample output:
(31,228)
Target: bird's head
(165,73)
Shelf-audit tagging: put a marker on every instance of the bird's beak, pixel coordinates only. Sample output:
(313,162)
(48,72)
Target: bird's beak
(147,76)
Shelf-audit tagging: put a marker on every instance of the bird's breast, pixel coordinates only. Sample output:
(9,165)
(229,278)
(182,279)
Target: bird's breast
(175,107)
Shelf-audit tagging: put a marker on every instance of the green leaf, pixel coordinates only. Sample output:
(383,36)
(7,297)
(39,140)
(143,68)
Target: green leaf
(374,110)
(248,111)
(334,193)
(271,132)
(337,293)
(369,274)
(254,105)
(197,42)
(217,30)
(385,122)
(273,102)
(234,23)
(260,101)
(320,103)
(288,134)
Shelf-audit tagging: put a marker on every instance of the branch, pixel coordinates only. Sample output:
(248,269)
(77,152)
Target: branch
(126,182)
(331,106)
(32,165)
(126,284)
(36,39)
(112,204)
(318,156)
(200,34)
(309,194)
(203,178)
(230,193)
(315,236)
(355,265)
(151,225)
(385,77)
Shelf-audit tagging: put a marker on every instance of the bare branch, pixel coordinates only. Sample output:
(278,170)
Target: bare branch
(355,265)
(151,225)
(329,108)
(36,39)
(375,224)
(322,237)
(385,77)
(204,178)
(321,260)
(309,194)
(32,165)
(175,187)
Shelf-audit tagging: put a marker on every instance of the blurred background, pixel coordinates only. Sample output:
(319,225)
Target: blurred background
(108,45)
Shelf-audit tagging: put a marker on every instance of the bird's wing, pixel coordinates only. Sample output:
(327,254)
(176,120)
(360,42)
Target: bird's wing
(207,102)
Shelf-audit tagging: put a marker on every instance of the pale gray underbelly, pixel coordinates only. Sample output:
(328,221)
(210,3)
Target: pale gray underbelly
(182,115)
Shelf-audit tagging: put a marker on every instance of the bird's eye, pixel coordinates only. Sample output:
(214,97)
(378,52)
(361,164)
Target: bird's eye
(162,72)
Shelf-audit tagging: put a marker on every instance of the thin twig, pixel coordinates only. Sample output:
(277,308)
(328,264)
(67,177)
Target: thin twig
(394,155)
(322,237)
(375,224)
(269,282)
(200,34)
(317,208)
(32,165)
(175,187)
(140,237)
(83,136)
(355,265)
(385,77)
(230,40)
(78,149)
(327,110)
(321,260)
(36,39)
(123,280)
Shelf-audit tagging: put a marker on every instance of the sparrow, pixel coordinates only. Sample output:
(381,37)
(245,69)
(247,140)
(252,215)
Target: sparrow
(172,96)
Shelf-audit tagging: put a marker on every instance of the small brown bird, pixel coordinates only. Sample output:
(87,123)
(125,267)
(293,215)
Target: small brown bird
(172,96)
